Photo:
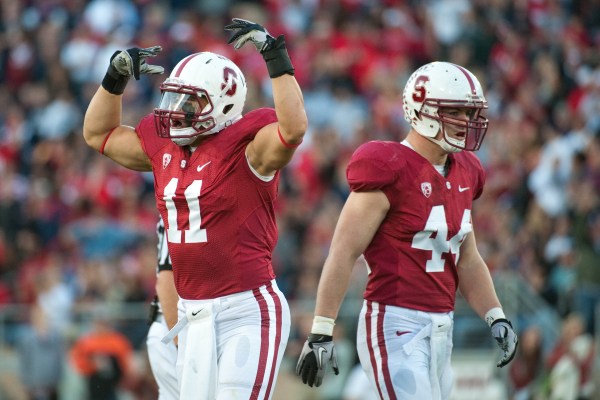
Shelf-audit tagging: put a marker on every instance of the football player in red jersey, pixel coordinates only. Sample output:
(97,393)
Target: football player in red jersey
(216,175)
(409,214)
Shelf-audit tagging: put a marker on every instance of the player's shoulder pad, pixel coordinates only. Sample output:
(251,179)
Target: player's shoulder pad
(256,119)
(146,126)
(374,165)
(146,131)
(235,137)
(468,159)
(472,163)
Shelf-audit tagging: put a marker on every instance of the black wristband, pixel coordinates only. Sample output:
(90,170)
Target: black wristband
(501,320)
(277,59)
(113,81)
(318,338)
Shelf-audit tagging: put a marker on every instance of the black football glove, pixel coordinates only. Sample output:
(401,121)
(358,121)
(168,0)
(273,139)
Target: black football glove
(249,31)
(318,350)
(127,63)
(506,338)
(273,50)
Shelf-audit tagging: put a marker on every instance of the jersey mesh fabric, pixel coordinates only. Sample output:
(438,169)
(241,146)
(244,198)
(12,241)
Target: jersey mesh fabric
(419,197)
(218,215)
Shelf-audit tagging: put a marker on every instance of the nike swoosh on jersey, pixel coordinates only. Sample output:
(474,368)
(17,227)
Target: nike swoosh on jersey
(201,167)
(462,189)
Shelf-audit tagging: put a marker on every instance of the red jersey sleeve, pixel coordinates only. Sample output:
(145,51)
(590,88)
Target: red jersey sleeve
(146,131)
(256,119)
(479,174)
(370,167)
(480,179)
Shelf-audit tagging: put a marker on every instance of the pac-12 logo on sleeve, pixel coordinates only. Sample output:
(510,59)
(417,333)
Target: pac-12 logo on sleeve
(426,189)
(166,160)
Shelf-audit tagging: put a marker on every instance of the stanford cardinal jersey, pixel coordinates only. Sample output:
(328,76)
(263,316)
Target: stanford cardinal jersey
(412,257)
(218,214)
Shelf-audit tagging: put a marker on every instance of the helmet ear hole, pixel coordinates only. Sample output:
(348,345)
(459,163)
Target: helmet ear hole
(227,108)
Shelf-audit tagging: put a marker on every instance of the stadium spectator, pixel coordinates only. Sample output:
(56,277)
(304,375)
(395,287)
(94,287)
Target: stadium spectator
(41,349)
(571,361)
(103,357)
(526,370)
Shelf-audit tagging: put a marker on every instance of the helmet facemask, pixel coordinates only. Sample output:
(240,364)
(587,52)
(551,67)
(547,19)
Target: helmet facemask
(179,115)
(204,94)
(467,134)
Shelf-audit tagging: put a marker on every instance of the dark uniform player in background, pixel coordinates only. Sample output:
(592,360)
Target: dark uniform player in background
(163,317)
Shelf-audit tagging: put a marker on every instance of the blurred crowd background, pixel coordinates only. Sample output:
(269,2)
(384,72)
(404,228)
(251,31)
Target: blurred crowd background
(77,232)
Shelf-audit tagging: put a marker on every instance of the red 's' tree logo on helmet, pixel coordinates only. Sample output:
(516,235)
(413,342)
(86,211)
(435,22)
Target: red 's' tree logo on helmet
(227,72)
(419,93)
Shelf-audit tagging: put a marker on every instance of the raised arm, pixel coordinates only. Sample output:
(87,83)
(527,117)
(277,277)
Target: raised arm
(102,129)
(274,145)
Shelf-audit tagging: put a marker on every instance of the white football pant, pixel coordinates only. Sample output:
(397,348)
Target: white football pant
(231,347)
(406,353)
(163,358)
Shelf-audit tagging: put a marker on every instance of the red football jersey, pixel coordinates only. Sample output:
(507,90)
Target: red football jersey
(219,216)
(412,257)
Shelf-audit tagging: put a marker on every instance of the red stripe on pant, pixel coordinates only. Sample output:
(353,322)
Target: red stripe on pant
(368,317)
(384,355)
(278,322)
(265,339)
(382,350)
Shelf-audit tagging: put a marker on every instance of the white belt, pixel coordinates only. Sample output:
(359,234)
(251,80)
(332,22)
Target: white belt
(437,331)
(199,345)
(409,346)
(175,330)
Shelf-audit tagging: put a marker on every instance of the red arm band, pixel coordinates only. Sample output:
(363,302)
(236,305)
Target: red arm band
(106,140)
(286,144)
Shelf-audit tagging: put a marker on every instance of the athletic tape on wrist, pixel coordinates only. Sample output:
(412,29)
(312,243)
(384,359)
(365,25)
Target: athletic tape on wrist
(322,326)
(114,84)
(494,314)
(277,59)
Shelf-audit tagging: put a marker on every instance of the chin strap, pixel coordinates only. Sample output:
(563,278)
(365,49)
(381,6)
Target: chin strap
(445,145)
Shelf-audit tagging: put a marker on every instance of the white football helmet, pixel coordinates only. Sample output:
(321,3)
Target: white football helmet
(442,84)
(200,78)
